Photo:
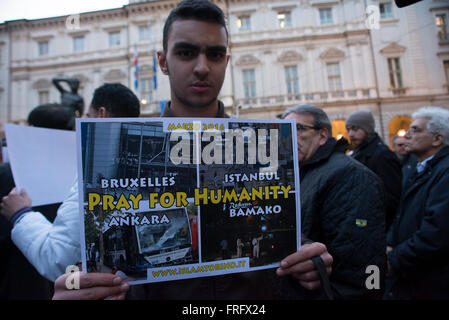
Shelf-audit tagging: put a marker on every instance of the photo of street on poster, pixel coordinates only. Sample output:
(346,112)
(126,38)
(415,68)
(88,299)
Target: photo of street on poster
(174,198)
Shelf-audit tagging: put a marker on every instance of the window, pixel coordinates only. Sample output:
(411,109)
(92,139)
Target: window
(291,77)
(385,10)
(333,76)
(285,19)
(144,33)
(78,44)
(244,23)
(394,70)
(446,70)
(326,16)
(249,83)
(43,97)
(146,90)
(42,48)
(114,39)
(441,23)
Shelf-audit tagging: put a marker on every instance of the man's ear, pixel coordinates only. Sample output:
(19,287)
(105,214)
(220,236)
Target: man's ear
(324,136)
(103,112)
(162,59)
(438,140)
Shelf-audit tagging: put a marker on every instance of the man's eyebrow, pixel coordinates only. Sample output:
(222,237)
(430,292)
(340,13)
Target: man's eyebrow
(185,45)
(189,45)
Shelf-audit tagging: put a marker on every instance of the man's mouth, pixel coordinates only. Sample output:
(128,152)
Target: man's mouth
(201,86)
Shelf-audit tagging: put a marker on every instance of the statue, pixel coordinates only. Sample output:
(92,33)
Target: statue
(70,99)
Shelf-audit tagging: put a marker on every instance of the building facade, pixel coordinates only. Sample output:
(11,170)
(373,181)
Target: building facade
(341,55)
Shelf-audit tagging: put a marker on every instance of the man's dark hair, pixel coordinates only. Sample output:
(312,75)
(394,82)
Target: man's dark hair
(118,100)
(52,116)
(321,120)
(202,10)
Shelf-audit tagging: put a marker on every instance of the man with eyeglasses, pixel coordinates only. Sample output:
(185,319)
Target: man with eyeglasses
(418,251)
(373,153)
(341,205)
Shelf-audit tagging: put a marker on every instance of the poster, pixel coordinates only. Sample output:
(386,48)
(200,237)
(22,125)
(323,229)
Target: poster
(173,198)
(43,161)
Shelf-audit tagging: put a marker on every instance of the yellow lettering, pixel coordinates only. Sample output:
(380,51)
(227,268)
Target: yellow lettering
(199,196)
(171,200)
(153,199)
(275,191)
(135,200)
(122,203)
(285,190)
(181,199)
(244,195)
(228,197)
(215,199)
(93,200)
(108,202)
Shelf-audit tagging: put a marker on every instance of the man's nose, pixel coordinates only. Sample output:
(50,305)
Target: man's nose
(202,65)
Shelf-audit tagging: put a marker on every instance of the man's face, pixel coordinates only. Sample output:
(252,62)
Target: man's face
(399,147)
(356,135)
(309,139)
(195,62)
(418,140)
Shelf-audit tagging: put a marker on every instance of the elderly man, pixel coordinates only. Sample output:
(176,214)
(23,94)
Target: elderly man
(418,258)
(373,153)
(341,204)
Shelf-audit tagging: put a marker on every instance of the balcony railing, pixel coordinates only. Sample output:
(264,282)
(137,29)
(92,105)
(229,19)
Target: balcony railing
(308,97)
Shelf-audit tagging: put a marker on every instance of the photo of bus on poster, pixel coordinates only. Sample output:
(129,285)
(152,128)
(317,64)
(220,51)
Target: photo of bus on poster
(173,198)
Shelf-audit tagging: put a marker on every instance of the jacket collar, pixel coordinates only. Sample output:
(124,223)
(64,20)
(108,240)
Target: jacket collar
(416,179)
(168,113)
(326,150)
(369,145)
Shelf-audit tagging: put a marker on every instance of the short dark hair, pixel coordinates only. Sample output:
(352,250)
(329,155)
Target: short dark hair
(202,10)
(52,116)
(321,120)
(118,100)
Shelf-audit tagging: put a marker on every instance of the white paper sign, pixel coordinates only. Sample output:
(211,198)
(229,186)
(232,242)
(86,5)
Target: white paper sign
(43,161)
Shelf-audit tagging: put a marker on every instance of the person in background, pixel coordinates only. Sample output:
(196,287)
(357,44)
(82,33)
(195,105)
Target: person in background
(407,159)
(342,205)
(18,278)
(373,153)
(51,247)
(418,250)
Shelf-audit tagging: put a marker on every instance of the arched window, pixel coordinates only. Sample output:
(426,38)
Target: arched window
(339,129)
(398,126)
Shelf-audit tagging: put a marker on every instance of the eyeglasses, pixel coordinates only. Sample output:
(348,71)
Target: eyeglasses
(300,128)
(413,130)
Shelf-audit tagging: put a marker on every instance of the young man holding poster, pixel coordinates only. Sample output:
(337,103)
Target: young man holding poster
(195,58)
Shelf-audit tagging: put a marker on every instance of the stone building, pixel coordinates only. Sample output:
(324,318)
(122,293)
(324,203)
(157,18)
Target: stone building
(342,55)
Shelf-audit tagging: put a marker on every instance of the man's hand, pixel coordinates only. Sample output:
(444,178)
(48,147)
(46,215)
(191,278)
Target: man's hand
(93,286)
(13,202)
(300,266)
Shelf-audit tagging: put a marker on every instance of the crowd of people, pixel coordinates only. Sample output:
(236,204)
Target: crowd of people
(369,207)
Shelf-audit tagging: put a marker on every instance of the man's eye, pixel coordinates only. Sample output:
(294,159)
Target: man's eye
(185,53)
(216,55)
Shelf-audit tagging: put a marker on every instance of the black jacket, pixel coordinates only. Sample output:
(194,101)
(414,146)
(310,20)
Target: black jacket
(374,154)
(420,234)
(342,207)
